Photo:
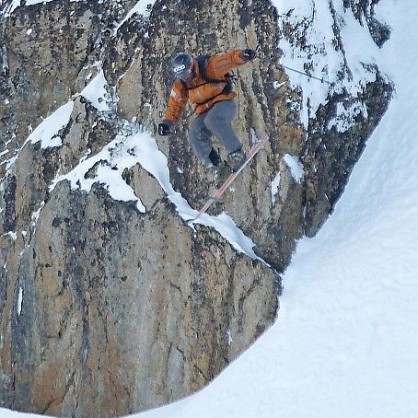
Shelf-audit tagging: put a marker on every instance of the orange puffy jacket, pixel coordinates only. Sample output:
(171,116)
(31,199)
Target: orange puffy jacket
(201,93)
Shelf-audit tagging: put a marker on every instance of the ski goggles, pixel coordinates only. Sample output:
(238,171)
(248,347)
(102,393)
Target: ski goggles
(183,72)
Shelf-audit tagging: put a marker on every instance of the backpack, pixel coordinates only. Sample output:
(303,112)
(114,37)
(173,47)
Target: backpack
(201,62)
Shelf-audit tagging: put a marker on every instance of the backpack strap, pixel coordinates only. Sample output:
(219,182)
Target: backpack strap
(202,62)
(185,88)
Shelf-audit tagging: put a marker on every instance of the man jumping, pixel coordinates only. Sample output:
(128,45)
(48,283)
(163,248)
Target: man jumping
(206,83)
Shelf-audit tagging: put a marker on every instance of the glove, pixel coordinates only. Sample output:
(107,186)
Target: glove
(248,54)
(164,128)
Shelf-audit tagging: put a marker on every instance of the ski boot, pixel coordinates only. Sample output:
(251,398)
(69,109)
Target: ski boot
(220,172)
(236,159)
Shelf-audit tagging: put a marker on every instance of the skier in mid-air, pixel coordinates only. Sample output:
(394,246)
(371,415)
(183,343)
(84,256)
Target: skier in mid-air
(206,82)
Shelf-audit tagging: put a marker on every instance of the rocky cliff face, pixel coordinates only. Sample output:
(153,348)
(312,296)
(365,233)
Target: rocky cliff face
(112,305)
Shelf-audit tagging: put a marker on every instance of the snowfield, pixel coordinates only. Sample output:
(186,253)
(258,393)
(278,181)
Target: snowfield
(346,340)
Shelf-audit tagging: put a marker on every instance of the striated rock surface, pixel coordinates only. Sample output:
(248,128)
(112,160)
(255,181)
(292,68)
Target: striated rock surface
(110,303)
(136,311)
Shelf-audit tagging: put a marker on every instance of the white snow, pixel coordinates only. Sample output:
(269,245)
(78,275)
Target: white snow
(275,185)
(97,93)
(126,151)
(12,235)
(295,167)
(19,301)
(108,171)
(345,116)
(346,340)
(319,50)
(47,131)
(16,3)
(142,7)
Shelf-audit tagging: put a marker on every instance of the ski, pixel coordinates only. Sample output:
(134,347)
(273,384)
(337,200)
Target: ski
(219,191)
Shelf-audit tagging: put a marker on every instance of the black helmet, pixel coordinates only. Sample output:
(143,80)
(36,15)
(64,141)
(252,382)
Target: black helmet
(182,65)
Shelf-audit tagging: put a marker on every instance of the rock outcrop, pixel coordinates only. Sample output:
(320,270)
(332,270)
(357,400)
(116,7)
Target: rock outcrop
(113,305)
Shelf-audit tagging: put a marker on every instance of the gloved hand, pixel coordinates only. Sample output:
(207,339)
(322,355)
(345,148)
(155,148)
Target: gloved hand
(164,128)
(248,54)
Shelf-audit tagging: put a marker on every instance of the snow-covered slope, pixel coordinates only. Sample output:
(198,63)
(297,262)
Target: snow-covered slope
(346,339)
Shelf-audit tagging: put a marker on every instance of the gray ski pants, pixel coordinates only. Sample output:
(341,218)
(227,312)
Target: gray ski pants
(216,121)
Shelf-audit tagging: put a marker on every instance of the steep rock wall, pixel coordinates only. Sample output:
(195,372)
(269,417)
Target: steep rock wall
(135,312)
(106,309)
